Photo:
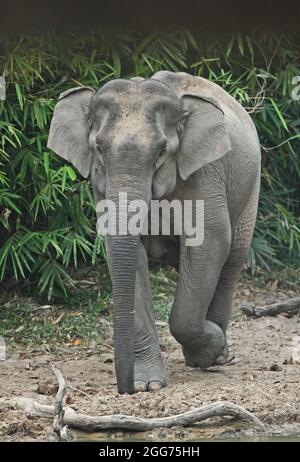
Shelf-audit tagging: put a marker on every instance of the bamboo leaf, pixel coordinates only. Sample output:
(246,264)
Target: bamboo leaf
(280,116)
(20,96)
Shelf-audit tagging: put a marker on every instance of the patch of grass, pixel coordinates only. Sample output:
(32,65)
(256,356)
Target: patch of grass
(83,319)
(23,323)
(285,278)
(163,284)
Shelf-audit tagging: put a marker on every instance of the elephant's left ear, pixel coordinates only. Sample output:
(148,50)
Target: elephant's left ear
(205,136)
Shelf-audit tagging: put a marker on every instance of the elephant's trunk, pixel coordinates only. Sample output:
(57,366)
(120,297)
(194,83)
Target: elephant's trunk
(122,255)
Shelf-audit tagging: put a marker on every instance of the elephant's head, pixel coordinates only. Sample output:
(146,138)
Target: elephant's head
(134,136)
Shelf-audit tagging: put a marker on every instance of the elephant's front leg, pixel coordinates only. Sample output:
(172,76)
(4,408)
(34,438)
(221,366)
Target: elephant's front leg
(149,368)
(202,340)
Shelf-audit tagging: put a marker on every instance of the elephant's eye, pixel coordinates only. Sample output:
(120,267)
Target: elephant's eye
(160,154)
(100,155)
(160,157)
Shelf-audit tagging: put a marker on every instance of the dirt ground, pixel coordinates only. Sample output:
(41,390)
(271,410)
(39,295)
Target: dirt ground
(263,376)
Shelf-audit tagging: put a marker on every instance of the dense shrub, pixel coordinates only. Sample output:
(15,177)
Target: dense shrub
(46,209)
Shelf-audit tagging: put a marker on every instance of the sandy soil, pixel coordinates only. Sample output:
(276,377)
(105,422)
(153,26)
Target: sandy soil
(262,377)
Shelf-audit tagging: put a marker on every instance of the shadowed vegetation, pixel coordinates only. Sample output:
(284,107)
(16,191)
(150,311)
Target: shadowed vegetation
(47,216)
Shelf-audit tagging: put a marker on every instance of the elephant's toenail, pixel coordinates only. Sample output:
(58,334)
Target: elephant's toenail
(140,385)
(154,386)
(221,360)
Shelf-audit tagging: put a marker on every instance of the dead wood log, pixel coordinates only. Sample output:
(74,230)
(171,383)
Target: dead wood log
(292,305)
(91,423)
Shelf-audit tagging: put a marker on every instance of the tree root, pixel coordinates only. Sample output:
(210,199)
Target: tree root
(292,305)
(65,417)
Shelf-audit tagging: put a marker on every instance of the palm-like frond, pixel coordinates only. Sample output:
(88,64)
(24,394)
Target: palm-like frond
(47,216)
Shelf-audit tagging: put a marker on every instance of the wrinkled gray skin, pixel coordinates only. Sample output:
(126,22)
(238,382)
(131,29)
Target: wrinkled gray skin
(171,136)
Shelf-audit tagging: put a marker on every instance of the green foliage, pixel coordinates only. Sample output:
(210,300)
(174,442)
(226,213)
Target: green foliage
(47,216)
(163,282)
(25,323)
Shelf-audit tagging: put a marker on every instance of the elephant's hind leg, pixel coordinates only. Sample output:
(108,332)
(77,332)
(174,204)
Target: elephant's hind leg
(220,306)
(149,368)
(202,340)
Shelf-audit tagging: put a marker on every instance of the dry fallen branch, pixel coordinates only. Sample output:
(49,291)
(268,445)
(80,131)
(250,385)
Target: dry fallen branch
(292,305)
(124,422)
(66,416)
(59,427)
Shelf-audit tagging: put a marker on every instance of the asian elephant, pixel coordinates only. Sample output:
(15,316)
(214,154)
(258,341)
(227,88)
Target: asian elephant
(170,136)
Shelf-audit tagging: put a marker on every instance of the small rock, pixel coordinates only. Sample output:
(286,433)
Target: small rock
(70,400)
(47,388)
(107,358)
(30,366)
(162,347)
(161,323)
(275,367)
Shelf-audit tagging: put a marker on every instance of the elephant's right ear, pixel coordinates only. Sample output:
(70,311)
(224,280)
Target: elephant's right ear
(70,128)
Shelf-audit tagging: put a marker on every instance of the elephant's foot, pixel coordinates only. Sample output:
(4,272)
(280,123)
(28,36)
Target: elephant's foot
(208,350)
(149,376)
(224,356)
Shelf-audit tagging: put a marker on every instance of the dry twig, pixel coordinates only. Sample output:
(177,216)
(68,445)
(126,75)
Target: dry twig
(59,427)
